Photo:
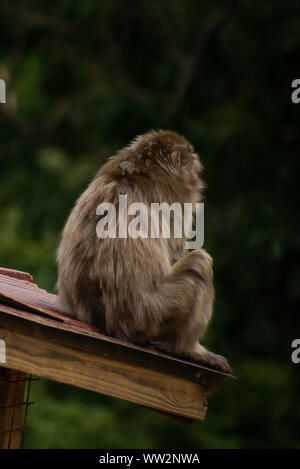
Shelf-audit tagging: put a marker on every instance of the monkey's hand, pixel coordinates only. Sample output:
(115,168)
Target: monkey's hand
(198,261)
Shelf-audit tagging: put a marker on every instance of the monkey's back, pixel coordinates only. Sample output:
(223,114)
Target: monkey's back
(108,282)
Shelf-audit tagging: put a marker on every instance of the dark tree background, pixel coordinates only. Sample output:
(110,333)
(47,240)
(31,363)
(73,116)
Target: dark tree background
(83,78)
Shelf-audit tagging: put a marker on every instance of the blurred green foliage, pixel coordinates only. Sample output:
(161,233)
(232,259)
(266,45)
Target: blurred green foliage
(83,78)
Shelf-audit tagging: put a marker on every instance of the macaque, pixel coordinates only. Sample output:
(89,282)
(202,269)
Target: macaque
(149,291)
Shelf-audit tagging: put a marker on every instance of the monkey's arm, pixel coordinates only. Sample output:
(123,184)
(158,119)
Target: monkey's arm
(186,295)
(187,290)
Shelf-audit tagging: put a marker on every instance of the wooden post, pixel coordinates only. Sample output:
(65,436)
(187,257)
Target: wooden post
(12,388)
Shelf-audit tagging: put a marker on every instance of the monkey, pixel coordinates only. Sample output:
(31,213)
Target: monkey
(147,291)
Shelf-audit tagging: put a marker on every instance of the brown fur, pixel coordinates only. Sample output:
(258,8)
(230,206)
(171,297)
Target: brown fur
(147,291)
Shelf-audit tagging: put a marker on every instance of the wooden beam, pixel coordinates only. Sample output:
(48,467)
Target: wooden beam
(12,387)
(106,375)
(99,344)
(26,308)
(40,340)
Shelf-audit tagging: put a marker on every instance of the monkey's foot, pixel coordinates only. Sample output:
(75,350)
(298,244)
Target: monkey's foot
(212,360)
(199,354)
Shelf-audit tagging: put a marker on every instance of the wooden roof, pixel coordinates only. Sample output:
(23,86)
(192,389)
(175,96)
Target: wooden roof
(41,340)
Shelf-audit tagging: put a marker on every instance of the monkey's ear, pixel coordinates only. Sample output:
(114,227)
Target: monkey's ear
(176,159)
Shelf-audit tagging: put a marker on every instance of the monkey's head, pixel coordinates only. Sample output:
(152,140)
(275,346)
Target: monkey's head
(166,152)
